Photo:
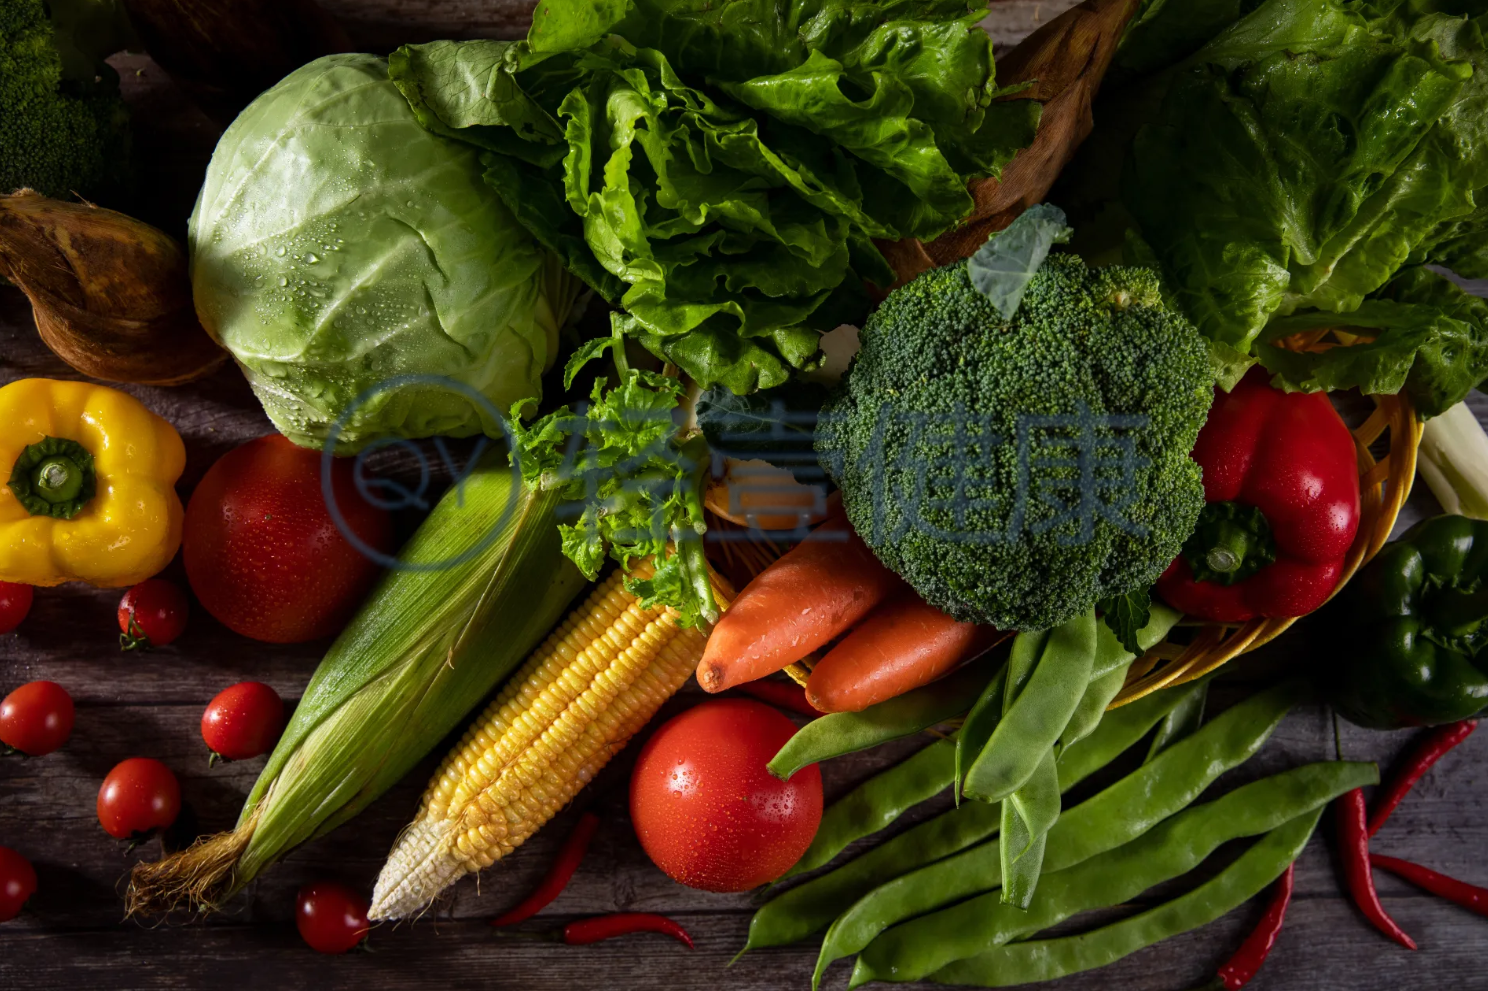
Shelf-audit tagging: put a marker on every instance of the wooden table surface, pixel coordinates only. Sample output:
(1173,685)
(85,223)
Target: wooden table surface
(74,936)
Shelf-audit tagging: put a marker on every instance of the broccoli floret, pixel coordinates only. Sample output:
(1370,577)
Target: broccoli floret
(956,440)
(63,125)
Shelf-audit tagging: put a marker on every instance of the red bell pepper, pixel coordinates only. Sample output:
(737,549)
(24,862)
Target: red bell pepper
(1281,482)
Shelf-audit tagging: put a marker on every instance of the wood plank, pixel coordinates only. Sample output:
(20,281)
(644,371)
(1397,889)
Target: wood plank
(151,705)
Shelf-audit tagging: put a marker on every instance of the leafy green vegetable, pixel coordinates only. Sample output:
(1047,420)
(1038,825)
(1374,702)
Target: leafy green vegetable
(1127,615)
(1015,472)
(360,271)
(777,426)
(721,171)
(63,128)
(630,483)
(1430,341)
(1002,268)
(1291,156)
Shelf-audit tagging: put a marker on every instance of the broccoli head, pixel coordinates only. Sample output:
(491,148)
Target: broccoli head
(63,125)
(1016,471)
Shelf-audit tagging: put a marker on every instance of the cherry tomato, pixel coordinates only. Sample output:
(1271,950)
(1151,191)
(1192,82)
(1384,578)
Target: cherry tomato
(36,718)
(243,721)
(706,809)
(332,917)
(17,883)
(15,603)
(152,614)
(138,797)
(263,552)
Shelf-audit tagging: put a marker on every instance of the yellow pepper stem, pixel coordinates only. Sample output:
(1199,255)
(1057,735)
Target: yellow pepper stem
(54,477)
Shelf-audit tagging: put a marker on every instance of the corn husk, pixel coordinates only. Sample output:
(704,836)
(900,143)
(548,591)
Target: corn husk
(429,644)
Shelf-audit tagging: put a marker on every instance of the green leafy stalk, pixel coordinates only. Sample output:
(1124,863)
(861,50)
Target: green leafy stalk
(629,479)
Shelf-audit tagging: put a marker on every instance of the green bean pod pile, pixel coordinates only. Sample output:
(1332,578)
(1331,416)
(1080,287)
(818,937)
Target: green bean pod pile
(929,903)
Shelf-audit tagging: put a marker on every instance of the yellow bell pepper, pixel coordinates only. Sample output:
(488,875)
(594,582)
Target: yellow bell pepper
(89,485)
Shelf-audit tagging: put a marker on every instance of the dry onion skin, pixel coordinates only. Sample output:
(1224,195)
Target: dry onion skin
(110,294)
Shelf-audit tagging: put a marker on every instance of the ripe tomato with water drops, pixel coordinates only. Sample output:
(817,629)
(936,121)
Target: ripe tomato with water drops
(243,721)
(152,614)
(265,553)
(139,796)
(36,718)
(15,603)
(331,917)
(17,883)
(706,809)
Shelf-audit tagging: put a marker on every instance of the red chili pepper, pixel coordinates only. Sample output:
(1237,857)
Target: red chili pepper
(552,885)
(1469,896)
(1281,482)
(1432,748)
(603,927)
(1241,968)
(781,694)
(1353,847)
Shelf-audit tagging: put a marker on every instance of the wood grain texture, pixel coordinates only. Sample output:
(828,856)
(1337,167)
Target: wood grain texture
(150,706)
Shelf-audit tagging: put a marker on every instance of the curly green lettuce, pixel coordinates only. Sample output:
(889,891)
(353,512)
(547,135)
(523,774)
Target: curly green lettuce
(722,171)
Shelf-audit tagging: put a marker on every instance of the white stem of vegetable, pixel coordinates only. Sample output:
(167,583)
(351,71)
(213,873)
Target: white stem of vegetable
(1454,462)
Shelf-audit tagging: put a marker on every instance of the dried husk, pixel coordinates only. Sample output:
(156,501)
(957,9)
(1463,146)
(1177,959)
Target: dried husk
(1065,60)
(110,294)
(223,53)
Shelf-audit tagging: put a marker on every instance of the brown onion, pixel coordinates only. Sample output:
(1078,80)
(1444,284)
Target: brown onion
(110,294)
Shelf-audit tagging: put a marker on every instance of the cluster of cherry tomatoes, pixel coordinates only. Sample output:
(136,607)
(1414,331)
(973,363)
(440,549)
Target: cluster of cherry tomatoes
(141,796)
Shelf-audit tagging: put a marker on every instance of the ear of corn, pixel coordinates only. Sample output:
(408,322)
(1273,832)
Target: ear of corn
(479,584)
(576,703)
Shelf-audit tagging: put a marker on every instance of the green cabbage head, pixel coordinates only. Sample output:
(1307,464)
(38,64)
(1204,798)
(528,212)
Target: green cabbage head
(337,247)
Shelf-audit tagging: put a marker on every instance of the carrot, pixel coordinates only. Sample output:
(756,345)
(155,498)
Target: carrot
(903,645)
(820,588)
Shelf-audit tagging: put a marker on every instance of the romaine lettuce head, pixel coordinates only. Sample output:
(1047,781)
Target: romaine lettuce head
(337,245)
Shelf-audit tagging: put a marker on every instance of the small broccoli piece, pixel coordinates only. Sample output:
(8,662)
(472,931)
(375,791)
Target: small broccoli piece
(924,438)
(61,132)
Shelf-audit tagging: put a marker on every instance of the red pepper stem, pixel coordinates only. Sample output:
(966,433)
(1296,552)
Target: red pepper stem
(1227,552)
(1433,747)
(1469,896)
(1353,848)
(559,874)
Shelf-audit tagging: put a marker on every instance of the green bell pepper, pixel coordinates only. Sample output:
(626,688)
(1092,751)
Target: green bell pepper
(1414,625)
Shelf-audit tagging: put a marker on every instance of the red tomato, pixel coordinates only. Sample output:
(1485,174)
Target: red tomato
(36,718)
(15,603)
(17,883)
(138,797)
(708,812)
(152,614)
(243,721)
(263,552)
(332,918)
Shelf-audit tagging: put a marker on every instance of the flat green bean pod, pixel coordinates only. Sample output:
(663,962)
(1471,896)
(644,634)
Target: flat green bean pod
(811,906)
(848,732)
(1036,712)
(1108,674)
(918,948)
(877,802)
(1184,720)
(1049,959)
(1115,816)
(1027,816)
